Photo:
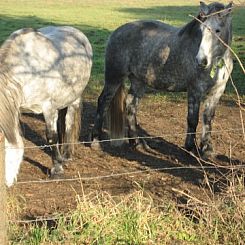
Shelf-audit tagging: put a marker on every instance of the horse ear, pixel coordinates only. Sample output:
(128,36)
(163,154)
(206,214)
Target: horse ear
(203,9)
(229,7)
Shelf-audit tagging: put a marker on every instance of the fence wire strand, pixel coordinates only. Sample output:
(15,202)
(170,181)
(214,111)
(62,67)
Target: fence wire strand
(235,167)
(126,138)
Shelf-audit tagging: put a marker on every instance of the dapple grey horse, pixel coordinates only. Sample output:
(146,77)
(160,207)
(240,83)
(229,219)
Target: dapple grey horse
(43,71)
(190,58)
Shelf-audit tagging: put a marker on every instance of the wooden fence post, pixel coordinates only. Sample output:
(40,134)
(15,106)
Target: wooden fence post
(3,196)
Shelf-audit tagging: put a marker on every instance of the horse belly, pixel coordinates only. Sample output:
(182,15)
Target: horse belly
(162,78)
(57,92)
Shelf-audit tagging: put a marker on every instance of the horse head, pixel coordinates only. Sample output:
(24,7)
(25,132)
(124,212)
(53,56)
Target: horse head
(215,24)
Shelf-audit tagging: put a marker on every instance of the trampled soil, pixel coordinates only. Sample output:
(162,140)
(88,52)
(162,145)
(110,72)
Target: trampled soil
(121,171)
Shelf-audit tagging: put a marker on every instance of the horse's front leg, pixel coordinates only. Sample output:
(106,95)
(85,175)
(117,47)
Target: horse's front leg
(220,79)
(208,115)
(192,120)
(51,117)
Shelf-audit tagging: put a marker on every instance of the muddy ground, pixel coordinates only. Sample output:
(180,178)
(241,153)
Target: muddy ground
(153,170)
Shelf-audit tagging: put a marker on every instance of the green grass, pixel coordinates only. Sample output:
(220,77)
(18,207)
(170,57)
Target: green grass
(97,19)
(135,219)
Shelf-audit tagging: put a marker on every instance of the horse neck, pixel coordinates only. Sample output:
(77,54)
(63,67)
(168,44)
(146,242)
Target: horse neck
(10,98)
(191,31)
(189,37)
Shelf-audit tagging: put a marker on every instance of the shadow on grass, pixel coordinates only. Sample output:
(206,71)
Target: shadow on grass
(171,14)
(181,15)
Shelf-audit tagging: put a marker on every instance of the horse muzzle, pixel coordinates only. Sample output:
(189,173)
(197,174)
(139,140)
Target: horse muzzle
(202,63)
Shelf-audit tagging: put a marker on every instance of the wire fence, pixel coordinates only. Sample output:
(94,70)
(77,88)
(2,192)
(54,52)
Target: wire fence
(236,167)
(239,131)
(201,168)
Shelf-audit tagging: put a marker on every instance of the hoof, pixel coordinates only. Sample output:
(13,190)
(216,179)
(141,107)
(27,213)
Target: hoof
(95,145)
(66,157)
(208,155)
(207,152)
(90,138)
(56,171)
(139,145)
(92,141)
(142,146)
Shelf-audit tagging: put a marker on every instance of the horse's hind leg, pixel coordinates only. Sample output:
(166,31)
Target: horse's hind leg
(221,77)
(136,92)
(51,117)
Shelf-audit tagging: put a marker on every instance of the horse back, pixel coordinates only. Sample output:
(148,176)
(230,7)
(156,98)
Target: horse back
(146,49)
(138,32)
(48,62)
(67,38)
(139,38)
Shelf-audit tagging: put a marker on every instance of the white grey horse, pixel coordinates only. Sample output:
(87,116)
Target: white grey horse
(43,71)
(190,58)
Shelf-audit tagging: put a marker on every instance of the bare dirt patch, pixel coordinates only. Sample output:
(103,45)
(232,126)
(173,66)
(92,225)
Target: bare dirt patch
(155,171)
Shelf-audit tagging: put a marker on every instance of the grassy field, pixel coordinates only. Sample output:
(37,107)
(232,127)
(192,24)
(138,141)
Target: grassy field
(132,219)
(97,19)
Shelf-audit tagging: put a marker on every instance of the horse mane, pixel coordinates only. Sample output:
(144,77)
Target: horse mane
(9,108)
(10,97)
(191,27)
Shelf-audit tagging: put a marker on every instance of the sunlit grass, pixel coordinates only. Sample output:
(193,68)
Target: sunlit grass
(97,19)
(136,219)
